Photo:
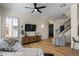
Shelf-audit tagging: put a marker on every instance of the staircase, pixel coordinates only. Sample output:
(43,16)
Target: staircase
(63,34)
(64,27)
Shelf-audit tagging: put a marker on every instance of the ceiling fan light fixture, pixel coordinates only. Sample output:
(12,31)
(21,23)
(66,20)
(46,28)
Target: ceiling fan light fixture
(35,9)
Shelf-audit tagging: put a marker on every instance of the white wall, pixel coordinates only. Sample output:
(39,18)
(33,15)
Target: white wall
(68,13)
(68,36)
(74,24)
(0,25)
(77,44)
(24,19)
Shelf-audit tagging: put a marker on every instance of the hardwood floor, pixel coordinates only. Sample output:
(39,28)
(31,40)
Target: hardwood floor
(48,47)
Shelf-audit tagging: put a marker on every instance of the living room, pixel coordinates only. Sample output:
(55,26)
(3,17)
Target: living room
(31,27)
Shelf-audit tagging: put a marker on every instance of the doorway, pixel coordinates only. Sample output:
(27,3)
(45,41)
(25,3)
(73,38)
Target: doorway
(51,30)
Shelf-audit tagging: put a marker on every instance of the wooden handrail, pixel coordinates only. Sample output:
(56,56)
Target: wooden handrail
(64,25)
(67,29)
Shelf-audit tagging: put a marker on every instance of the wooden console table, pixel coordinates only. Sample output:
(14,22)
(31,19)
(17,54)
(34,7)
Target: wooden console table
(30,39)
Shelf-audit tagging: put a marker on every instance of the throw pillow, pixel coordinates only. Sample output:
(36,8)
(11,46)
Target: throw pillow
(11,41)
(4,45)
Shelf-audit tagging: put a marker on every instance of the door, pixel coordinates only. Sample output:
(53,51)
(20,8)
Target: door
(51,28)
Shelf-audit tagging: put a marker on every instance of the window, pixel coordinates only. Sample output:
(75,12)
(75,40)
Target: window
(11,28)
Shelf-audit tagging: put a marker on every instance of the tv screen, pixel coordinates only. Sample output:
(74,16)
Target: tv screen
(30,27)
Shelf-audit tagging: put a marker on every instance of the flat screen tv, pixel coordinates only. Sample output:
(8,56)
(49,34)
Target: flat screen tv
(30,27)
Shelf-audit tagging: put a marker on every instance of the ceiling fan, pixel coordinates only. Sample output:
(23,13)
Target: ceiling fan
(36,8)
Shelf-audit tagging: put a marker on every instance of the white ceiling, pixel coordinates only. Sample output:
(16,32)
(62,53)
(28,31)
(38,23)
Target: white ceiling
(51,10)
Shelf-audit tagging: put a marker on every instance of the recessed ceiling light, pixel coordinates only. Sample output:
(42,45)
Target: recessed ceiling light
(62,5)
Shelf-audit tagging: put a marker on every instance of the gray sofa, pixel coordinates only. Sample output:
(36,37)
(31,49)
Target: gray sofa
(18,50)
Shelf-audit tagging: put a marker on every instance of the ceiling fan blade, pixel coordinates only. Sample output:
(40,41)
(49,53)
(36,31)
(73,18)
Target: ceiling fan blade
(32,11)
(35,5)
(41,7)
(29,7)
(38,10)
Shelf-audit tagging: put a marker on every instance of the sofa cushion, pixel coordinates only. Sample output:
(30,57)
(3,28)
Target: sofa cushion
(7,50)
(17,46)
(4,45)
(11,41)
